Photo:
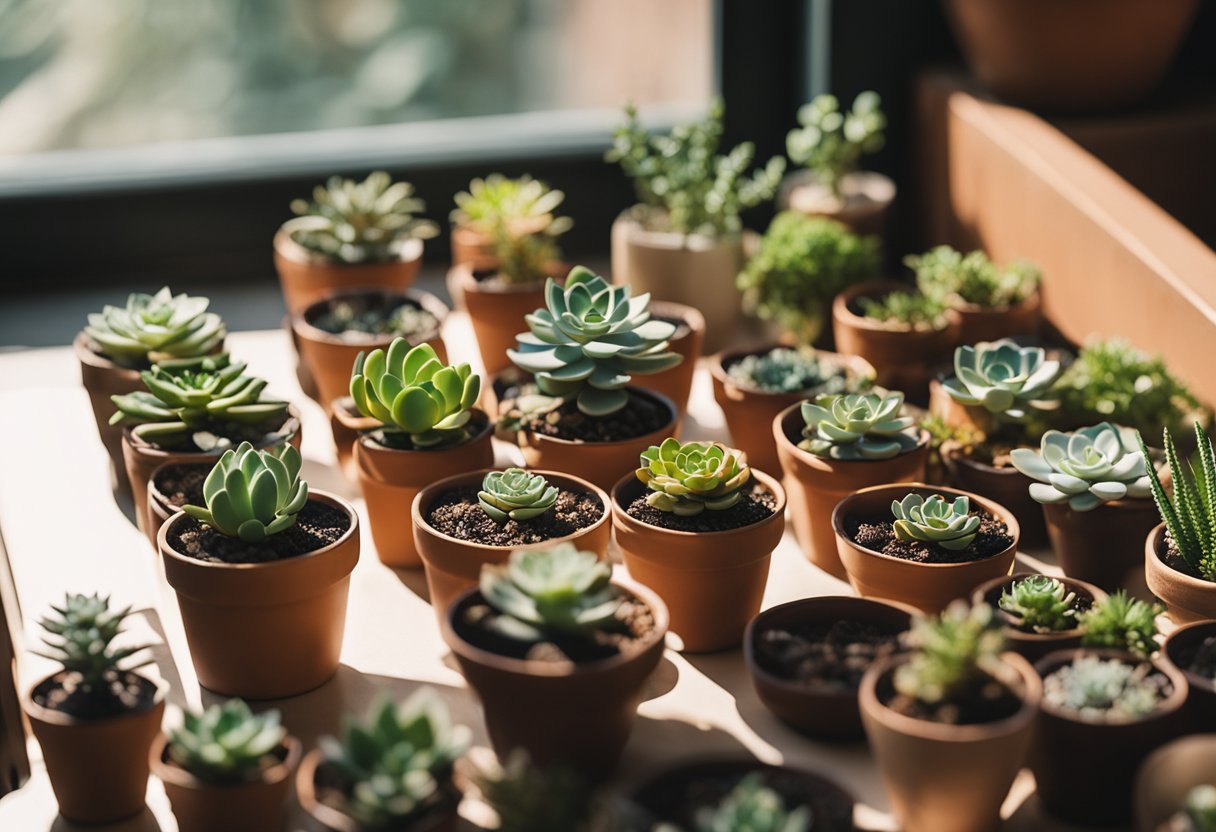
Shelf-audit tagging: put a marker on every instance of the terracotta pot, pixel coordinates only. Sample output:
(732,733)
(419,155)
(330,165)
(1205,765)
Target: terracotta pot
(98,768)
(1098,790)
(815,485)
(1007,486)
(1102,545)
(312,767)
(602,463)
(693,269)
(711,582)
(1186,599)
(160,509)
(676,383)
(1034,646)
(102,378)
(818,713)
(902,358)
(306,277)
(1201,703)
(987,323)
(241,807)
(1167,775)
(926,586)
(330,358)
(265,630)
(749,413)
(1079,56)
(474,247)
(454,565)
(867,198)
(391,478)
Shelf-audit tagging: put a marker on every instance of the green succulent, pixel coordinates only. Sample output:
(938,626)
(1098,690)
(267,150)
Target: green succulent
(589,339)
(952,654)
(153,328)
(1103,690)
(514,494)
(1085,468)
(524,203)
(532,798)
(1200,808)
(793,370)
(1001,377)
(687,478)
(1190,516)
(908,310)
(955,278)
(1041,604)
(751,806)
(226,743)
(857,426)
(1122,623)
(831,143)
(947,524)
(411,392)
(253,494)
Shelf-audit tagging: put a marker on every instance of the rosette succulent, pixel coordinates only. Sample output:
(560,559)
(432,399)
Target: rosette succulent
(1041,604)
(525,205)
(952,654)
(514,494)
(752,806)
(159,327)
(226,743)
(588,341)
(1122,623)
(688,478)
(411,392)
(950,525)
(1001,377)
(857,426)
(1085,468)
(793,370)
(252,494)
(1105,690)
(1190,516)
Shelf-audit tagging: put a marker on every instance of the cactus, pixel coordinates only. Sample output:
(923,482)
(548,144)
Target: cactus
(154,328)
(949,525)
(1041,604)
(227,743)
(1085,468)
(1001,377)
(253,494)
(688,478)
(514,494)
(857,426)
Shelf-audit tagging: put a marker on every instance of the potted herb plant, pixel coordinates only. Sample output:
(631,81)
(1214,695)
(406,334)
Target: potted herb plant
(262,573)
(227,768)
(1174,790)
(683,242)
(992,301)
(1192,650)
(558,654)
(96,718)
(698,526)
(1040,613)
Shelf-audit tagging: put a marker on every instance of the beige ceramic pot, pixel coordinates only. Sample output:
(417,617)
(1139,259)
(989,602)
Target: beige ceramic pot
(1186,598)
(314,782)
(1034,646)
(863,206)
(102,378)
(1167,775)
(1179,649)
(676,382)
(1102,545)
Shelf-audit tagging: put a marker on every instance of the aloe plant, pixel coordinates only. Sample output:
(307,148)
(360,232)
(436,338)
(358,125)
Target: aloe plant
(830,142)
(858,426)
(934,520)
(1085,468)
(252,494)
(154,328)
(688,478)
(1041,604)
(227,743)
(1190,515)
(1001,377)
(514,494)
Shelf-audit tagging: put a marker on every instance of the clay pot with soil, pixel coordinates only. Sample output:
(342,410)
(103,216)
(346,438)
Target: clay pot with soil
(170,487)
(676,382)
(1191,649)
(346,424)
(1034,639)
(1166,779)
(1187,596)
(862,205)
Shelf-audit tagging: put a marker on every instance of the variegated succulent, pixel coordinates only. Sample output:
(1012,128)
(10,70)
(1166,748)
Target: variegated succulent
(950,525)
(514,494)
(858,426)
(252,494)
(1001,377)
(153,328)
(1085,468)
(688,478)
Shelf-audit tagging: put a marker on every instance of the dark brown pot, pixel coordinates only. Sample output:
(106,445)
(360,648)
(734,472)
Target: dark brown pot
(1007,486)
(390,480)
(346,423)
(676,382)
(1097,789)
(98,768)
(312,767)
(926,586)
(265,630)
(1201,702)
(241,807)
(867,198)
(577,714)
(102,378)
(711,582)
(454,565)
(1078,55)
(948,778)
(1168,775)
(815,485)
(1103,545)
(991,323)
(160,509)
(1187,599)
(1034,646)
(818,713)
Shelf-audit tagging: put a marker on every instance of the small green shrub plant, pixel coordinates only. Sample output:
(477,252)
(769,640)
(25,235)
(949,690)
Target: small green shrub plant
(1189,513)
(857,426)
(690,477)
(1104,690)
(514,494)
(831,143)
(1121,622)
(354,319)
(156,328)
(907,310)
(226,744)
(1040,604)
(252,494)
(972,279)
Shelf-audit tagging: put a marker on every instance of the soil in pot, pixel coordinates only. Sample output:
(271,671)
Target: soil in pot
(877,533)
(641,416)
(756,504)
(825,657)
(458,514)
(317,525)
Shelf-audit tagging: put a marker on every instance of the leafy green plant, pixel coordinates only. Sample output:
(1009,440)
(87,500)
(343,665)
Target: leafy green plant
(687,478)
(751,806)
(589,339)
(952,655)
(956,278)
(1085,468)
(1200,808)
(802,264)
(1122,623)
(526,204)
(226,743)
(1041,604)
(253,494)
(909,310)
(684,183)
(514,494)
(950,525)
(360,222)
(416,398)
(153,328)
(831,143)
(1001,377)
(857,426)
(1103,690)
(793,370)
(532,798)
(1190,516)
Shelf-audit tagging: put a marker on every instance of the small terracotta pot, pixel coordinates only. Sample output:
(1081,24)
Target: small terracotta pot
(241,807)
(749,412)
(330,358)
(474,247)
(390,480)
(159,507)
(815,485)
(98,768)
(1201,703)
(711,582)
(1167,775)
(947,778)
(676,383)
(1097,791)
(867,198)
(346,423)
(265,630)
(991,323)
(1102,545)
(926,586)
(1007,486)
(454,565)
(1186,599)
(102,378)
(822,714)
(443,819)
(306,277)
(1034,646)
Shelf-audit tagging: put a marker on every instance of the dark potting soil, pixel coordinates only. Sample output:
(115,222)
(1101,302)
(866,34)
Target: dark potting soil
(365,318)
(127,692)
(756,504)
(877,533)
(1174,560)
(1200,658)
(989,701)
(826,657)
(458,514)
(641,416)
(182,485)
(317,526)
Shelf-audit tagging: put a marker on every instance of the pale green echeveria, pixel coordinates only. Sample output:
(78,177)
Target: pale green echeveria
(227,743)
(411,392)
(1085,468)
(159,327)
(934,520)
(1001,377)
(589,340)
(252,494)
(858,426)
(514,494)
(686,479)
(1103,690)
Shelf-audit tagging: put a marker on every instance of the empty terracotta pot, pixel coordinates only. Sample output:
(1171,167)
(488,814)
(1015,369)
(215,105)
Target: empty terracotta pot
(948,778)
(863,207)
(815,711)
(815,485)
(926,586)
(102,378)
(160,508)
(1102,545)
(676,382)
(1167,775)
(312,779)
(346,423)
(1034,646)
(1201,701)
(1186,598)
(711,582)
(991,323)
(1007,486)
(265,630)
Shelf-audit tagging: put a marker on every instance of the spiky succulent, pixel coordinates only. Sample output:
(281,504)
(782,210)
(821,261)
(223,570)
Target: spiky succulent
(159,327)
(1200,808)
(1190,516)
(532,798)
(1041,604)
(252,494)
(952,654)
(1105,690)
(1085,468)
(524,204)
(411,392)
(955,278)
(857,426)
(589,339)
(754,806)
(1001,377)
(360,222)
(396,768)
(227,743)
(688,478)
(792,370)
(514,494)
(1122,623)
(80,636)
(950,525)
(831,143)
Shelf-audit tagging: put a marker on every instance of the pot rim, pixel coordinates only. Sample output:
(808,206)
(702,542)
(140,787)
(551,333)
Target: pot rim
(173,774)
(643,237)
(1165,707)
(533,437)
(1193,679)
(286,247)
(853,365)
(826,465)
(620,515)
(1013,633)
(425,301)
(289,428)
(690,316)
(1152,551)
(957,456)
(53,717)
(366,439)
(84,347)
(462,275)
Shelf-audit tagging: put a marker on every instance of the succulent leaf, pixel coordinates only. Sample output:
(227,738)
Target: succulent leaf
(688,478)
(934,520)
(1085,468)
(857,426)
(155,328)
(830,142)
(227,743)
(1041,604)
(80,637)
(1001,377)
(952,654)
(251,494)
(514,494)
